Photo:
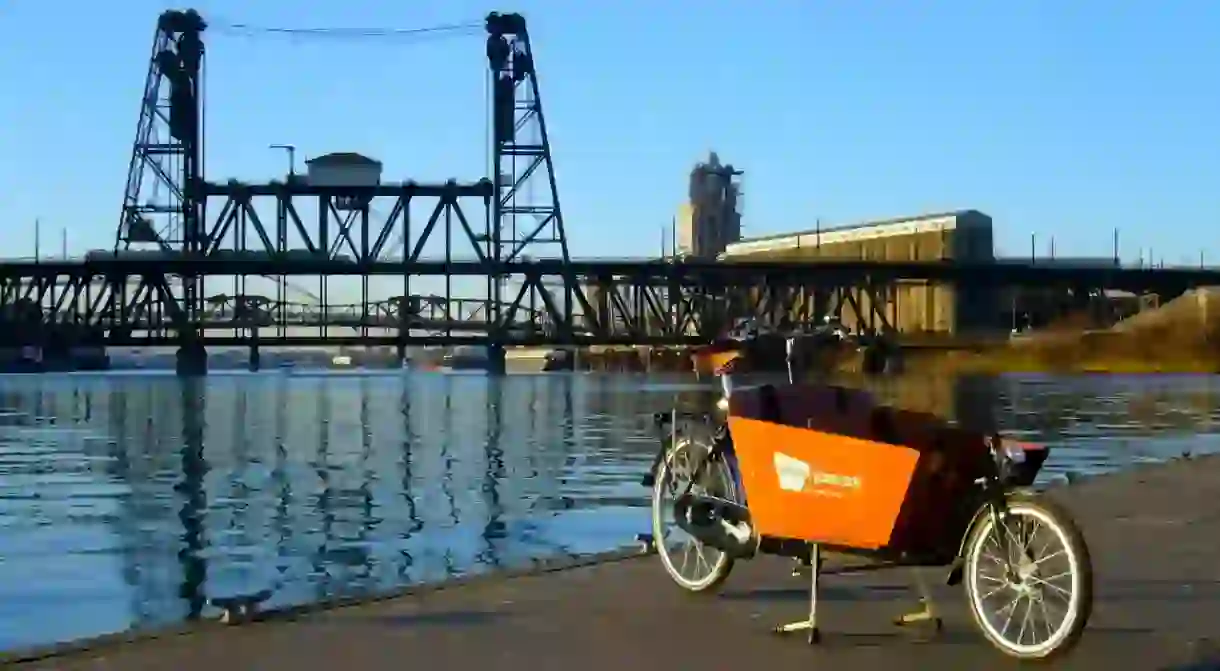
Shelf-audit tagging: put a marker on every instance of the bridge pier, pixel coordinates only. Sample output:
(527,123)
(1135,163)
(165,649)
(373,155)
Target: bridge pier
(256,359)
(192,359)
(497,360)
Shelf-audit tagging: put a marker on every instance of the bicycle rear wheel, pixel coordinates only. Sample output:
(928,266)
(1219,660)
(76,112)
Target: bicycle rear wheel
(692,564)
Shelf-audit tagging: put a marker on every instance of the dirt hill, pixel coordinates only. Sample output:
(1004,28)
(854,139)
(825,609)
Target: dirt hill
(1196,311)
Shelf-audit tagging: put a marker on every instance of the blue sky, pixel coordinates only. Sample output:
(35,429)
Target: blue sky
(1057,118)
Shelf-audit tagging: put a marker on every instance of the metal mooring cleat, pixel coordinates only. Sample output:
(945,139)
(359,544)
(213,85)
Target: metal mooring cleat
(240,608)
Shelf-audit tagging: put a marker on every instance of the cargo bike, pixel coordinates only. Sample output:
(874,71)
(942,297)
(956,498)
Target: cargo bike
(798,470)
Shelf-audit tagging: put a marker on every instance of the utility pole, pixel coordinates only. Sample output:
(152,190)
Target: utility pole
(37,239)
(291,150)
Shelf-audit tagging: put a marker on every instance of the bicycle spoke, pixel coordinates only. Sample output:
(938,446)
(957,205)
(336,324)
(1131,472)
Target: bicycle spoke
(1011,608)
(1025,620)
(1044,583)
(1050,556)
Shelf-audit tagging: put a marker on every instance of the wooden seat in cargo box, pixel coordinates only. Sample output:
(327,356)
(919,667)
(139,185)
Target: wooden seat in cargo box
(819,407)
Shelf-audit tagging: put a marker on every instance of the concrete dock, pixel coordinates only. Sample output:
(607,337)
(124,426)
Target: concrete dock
(1154,533)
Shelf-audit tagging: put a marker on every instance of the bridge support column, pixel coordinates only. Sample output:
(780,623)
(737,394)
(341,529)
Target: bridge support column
(496,360)
(256,358)
(400,349)
(192,359)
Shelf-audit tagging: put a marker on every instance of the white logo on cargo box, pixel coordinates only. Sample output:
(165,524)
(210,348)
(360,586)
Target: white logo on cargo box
(798,476)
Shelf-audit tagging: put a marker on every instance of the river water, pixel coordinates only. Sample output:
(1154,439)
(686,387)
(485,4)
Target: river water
(128,500)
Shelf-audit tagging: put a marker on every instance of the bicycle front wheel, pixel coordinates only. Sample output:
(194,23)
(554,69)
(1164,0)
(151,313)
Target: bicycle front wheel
(1034,602)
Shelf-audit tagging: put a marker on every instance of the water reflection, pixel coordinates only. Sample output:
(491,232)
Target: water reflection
(130,500)
(135,499)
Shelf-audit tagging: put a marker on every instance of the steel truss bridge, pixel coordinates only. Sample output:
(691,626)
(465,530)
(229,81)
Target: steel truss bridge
(188,250)
(130,302)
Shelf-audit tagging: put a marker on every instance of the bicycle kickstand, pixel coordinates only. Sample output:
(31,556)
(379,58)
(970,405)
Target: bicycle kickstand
(809,625)
(928,613)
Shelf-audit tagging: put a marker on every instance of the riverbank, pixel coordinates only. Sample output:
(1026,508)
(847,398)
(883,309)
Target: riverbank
(1156,609)
(1115,352)
(1181,336)
(1079,353)
(1000,362)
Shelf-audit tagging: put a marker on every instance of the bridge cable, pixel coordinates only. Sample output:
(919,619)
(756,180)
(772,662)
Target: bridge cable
(335,33)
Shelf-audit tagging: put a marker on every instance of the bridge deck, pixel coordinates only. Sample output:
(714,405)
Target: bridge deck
(734,273)
(1152,532)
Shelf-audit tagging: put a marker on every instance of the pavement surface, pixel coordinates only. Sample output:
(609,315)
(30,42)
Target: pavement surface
(1154,534)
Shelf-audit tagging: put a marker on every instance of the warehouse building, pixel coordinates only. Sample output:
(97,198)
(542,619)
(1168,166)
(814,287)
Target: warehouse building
(913,306)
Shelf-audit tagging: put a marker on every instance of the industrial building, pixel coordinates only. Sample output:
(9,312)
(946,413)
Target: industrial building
(711,220)
(913,306)
(706,224)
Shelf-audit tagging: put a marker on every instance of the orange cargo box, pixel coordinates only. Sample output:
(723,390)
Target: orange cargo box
(828,464)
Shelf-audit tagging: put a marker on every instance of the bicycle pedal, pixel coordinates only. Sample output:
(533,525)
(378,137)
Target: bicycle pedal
(922,625)
(919,617)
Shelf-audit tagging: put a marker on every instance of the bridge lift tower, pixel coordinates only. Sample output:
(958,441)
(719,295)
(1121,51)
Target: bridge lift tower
(168,199)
